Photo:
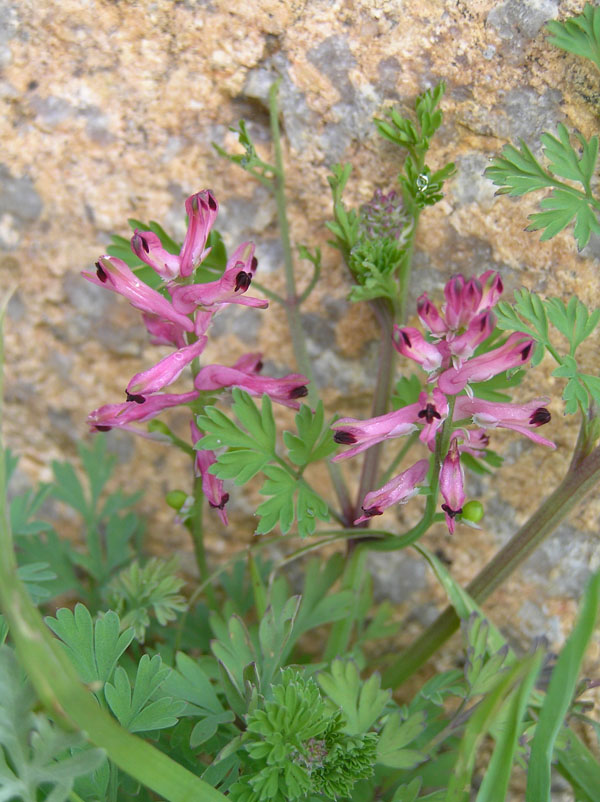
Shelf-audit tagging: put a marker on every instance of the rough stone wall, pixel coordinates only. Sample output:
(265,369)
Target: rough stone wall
(109,110)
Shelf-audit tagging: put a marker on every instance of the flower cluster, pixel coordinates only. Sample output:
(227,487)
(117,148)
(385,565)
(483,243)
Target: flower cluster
(179,316)
(447,354)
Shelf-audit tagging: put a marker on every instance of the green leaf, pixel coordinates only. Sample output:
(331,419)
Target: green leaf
(234,650)
(580,767)
(560,693)
(313,442)
(37,756)
(362,703)
(561,206)
(579,35)
(240,464)
(274,632)
(573,320)
(407,391)
(480,723)
(493,389)
(31,575)
(153,588)
(564,161)
(463,604)
(144,709)
(499,769)
(283,508)
(254,445)
(99,466)
(517,172)
(481,671)
(92,647)
(395,737)
(318,607)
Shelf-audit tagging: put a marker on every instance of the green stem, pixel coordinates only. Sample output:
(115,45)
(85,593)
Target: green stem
(292,301)
(197,532)
(353,579)
(408,444)
(405,269)
(385,374)
(581,477)
(292,307)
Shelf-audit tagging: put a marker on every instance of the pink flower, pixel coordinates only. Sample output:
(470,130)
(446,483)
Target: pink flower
(212,487)
(166,371)
(464,300)
(433,413)
(462,346)
(514,353)
(120,416)
(397,491)
(229,289)
(202,209)
(148,248)
(285,390)
(474,442)
(522,418)
(411,343)
(364,434)
(452,480)
(114,274)
(164,332)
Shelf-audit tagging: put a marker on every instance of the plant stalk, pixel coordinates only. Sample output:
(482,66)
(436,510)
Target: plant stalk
(292,301)
(582,476)
(385,373)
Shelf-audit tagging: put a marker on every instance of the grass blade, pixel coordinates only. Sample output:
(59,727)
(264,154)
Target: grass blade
(499,770)
(481,721)
(559,695)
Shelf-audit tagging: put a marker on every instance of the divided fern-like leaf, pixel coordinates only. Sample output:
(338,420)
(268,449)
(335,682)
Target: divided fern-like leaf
(362,702)
(579,35)
(290,499)
(37,759)
(251,447)
(140,590)
(143,708)
(92,647)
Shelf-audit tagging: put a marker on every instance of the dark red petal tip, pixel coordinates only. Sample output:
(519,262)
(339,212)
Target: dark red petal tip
(429,413)
(242,281)
(540,417)
(370,512)
(299,392)
(100,272)
(450,512)
(222,503)
(344,438)
(136,398)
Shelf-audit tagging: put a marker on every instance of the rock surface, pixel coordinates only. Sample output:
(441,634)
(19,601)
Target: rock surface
(109,111)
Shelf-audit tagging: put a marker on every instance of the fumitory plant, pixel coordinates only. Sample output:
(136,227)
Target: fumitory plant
(124,679)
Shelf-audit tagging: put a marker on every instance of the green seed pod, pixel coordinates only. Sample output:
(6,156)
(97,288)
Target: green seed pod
(176,499)
(473,511)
